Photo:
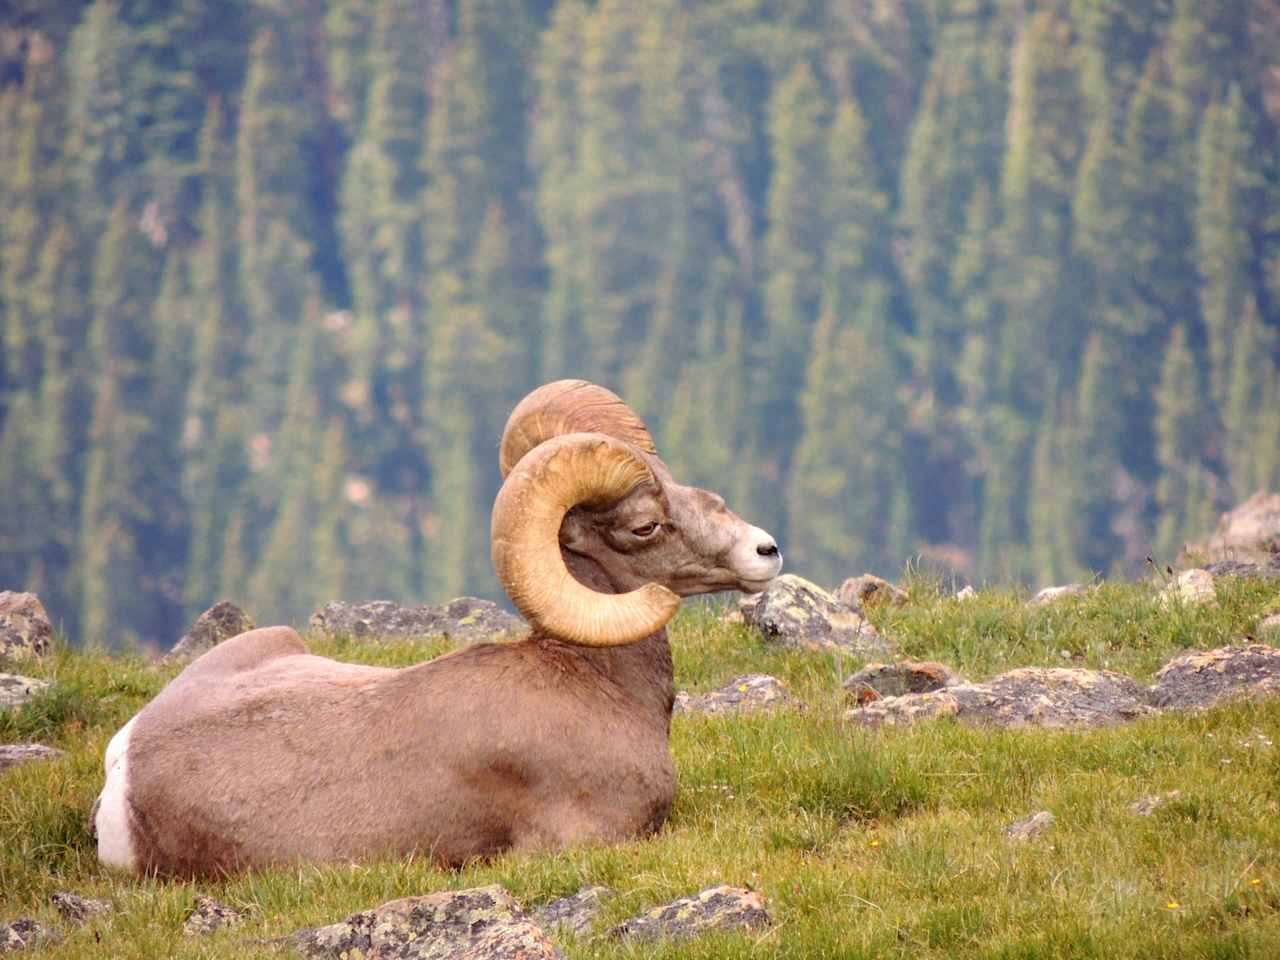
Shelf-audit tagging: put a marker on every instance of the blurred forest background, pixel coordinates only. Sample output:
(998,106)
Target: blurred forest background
(991,281)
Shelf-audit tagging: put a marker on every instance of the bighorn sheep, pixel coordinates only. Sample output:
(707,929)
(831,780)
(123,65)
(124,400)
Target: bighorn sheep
(261,753)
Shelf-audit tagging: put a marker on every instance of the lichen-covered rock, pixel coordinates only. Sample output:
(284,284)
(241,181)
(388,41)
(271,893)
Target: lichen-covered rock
(755,691)
(1030,696)
(796,613)
(24,933)
(15,690)
(220,622)
(1052,594)
(717,908)
(483,923)
(574,913)
(1028,828)
(1269,569)
(877,680)
(464,620)
(1190,587)
(25,631)
(1204,678)
(869,591)
(77,908)
(209,915)
(12,754)
(1148,805)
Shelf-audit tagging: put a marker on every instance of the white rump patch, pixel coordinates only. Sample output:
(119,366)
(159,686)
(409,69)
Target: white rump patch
(115,845)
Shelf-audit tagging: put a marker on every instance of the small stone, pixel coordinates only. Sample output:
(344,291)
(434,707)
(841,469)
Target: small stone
(220,622)
(793,612)
(1028,828)
(464,620)
(209,915)
(1148,805)
(482,923)
(968,593)
(755,691)
(24,933)
(877,680)
(12,754)
(1191,587)
(1051,594)
(15,690)
(574,913)
(1030,696)
(77,908)
(868,591)
(717,908)
(25,630)
(1205,678)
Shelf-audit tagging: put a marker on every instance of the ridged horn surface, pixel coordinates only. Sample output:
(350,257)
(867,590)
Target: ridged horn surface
(569,406)
(554,477)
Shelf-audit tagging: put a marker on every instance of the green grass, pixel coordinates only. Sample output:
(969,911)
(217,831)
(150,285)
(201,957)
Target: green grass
(864,843)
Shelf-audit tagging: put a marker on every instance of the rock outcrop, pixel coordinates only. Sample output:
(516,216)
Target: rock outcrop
(464,620)
(717,908)
(877,680)
(1250,533)
(220,622)
(796,613)
(12,754)
(868,591)
(23,934)
(209,915)
(483,923)
(755,691)
(1206,678)
(25,630)
(574,914)
(1030,696)
(15,690)
(78,909)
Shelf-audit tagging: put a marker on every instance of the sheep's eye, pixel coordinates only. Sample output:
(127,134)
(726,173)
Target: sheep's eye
(648,530)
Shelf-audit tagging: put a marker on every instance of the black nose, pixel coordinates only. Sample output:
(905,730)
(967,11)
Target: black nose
(767,549)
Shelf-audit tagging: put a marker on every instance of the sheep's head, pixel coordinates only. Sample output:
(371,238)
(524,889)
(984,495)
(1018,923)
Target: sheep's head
(581,472)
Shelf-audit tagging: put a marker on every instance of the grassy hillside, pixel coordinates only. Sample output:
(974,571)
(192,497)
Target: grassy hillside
(870,843)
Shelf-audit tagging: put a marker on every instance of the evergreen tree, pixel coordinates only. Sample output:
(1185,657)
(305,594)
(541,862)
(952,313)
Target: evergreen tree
(122,594)
(1183,493)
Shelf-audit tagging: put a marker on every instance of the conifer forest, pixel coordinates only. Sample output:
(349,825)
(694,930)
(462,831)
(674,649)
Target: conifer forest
(990,282)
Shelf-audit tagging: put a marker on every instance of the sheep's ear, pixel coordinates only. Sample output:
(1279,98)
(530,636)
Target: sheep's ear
(574,532)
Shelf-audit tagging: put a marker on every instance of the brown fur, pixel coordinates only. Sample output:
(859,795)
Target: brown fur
(260,752)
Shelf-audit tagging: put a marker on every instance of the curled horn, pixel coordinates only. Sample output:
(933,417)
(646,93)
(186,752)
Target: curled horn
(569,406)
(552,478)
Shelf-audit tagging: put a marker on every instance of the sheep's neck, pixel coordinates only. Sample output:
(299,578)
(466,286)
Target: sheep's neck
(642,669)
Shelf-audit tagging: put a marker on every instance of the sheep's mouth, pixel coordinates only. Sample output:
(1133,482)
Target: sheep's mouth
(754,586)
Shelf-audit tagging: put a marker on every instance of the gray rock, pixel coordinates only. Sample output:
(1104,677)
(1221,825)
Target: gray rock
(869,591)
(1204,678)
(1030,696)
(877,680)
(1148,805)
(25,631)
(220,622)
(1190,587)
(483,923)
(1051,594)
(1028,828)
(574,913)
(78,909)
(796,613)
(12,754)
(1268,570)
(24,933)
(209,915)
(15,690)
(464,620)
(755,691)
(717,908)
(1269,624)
